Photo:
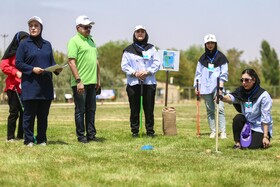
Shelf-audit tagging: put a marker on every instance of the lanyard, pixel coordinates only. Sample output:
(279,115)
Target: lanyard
(139,46)
(253,93)
(212,59)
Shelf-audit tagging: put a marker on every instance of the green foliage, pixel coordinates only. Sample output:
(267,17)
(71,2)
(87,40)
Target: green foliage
(110,55)
(235,66)
(61,82)
(109,79)
(270,64)
(192,55)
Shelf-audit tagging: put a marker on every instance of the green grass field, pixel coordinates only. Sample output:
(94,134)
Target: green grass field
(117,159)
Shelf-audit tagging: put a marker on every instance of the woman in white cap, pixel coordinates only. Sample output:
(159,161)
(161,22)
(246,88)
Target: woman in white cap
(211,65)
(33,55)
(140,62)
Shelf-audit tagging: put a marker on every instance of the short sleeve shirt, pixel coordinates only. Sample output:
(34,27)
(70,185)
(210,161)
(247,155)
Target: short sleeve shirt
(84,51)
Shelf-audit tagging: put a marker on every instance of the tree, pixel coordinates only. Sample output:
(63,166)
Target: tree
(235,66)
(270,64)
(110,55)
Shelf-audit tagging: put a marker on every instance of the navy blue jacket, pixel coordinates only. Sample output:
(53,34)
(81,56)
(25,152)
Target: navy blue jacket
(28,56)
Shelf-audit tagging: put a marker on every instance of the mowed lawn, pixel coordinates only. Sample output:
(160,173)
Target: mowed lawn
(117,159)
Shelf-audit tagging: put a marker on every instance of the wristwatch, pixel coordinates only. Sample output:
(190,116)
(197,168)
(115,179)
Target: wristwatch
(78,80)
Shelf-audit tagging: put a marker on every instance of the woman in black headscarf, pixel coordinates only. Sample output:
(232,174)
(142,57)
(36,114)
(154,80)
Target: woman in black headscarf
(212,64)
(33,56)
(140,62)
(255,105)
(12,88)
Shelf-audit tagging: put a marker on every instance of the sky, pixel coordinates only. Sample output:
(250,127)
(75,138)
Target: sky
(179,24)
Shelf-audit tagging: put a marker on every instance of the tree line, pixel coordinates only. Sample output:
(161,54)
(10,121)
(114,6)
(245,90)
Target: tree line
(110,55)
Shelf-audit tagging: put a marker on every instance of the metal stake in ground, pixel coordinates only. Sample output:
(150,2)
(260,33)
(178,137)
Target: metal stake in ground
(22,108)
(197,110)
(141,108)
(217,113)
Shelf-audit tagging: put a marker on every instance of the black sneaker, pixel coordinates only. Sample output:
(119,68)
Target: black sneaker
(93,139)
(236,147)
(83,140)
(135,135)
(151,135)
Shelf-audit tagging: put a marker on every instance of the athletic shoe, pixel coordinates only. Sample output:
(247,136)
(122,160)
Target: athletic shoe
(10,140)
(93,139)
(236,146)
(42,144)
(135,135)
(30,144)
(223,135)
(151,135)
(212,135)
(83,140)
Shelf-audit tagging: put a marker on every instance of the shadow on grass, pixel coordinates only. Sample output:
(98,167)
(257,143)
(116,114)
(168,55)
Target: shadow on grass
(100,139)
(59,142)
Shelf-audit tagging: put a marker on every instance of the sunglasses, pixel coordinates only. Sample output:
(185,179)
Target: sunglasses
(246,80)
(86,27)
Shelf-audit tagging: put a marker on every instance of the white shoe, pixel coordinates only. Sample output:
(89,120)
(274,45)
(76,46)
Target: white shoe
(43,144)
(223,135)
(30,144)
(10,140)
(212,135)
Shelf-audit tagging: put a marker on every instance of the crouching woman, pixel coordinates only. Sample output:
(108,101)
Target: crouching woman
(254,104)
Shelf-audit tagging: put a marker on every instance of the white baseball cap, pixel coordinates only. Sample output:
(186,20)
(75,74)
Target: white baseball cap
(84,20)
(210,38)
(35,18)
(138,27)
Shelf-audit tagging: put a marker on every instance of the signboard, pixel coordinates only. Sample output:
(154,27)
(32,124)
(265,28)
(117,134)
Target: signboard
(169,60)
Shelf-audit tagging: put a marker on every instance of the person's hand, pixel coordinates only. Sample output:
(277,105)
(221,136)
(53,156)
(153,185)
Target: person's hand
(97,86)
(142,75)
(220,97)
(80,88)
(138,75)
(18,74)
(266,142)
(38,70)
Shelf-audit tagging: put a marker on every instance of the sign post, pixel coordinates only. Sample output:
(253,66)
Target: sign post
(170,62)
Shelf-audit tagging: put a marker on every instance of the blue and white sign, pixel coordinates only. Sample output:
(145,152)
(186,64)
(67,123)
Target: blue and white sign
(169,60)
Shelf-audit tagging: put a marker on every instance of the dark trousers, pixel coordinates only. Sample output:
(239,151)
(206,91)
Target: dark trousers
(134,93)
(32,109)
(15,111)
(238,122)
(85,107)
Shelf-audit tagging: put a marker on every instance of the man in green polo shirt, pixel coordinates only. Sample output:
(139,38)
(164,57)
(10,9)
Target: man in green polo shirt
(85,79)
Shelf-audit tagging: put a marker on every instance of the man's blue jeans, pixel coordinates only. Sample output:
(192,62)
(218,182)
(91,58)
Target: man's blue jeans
(85,107)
